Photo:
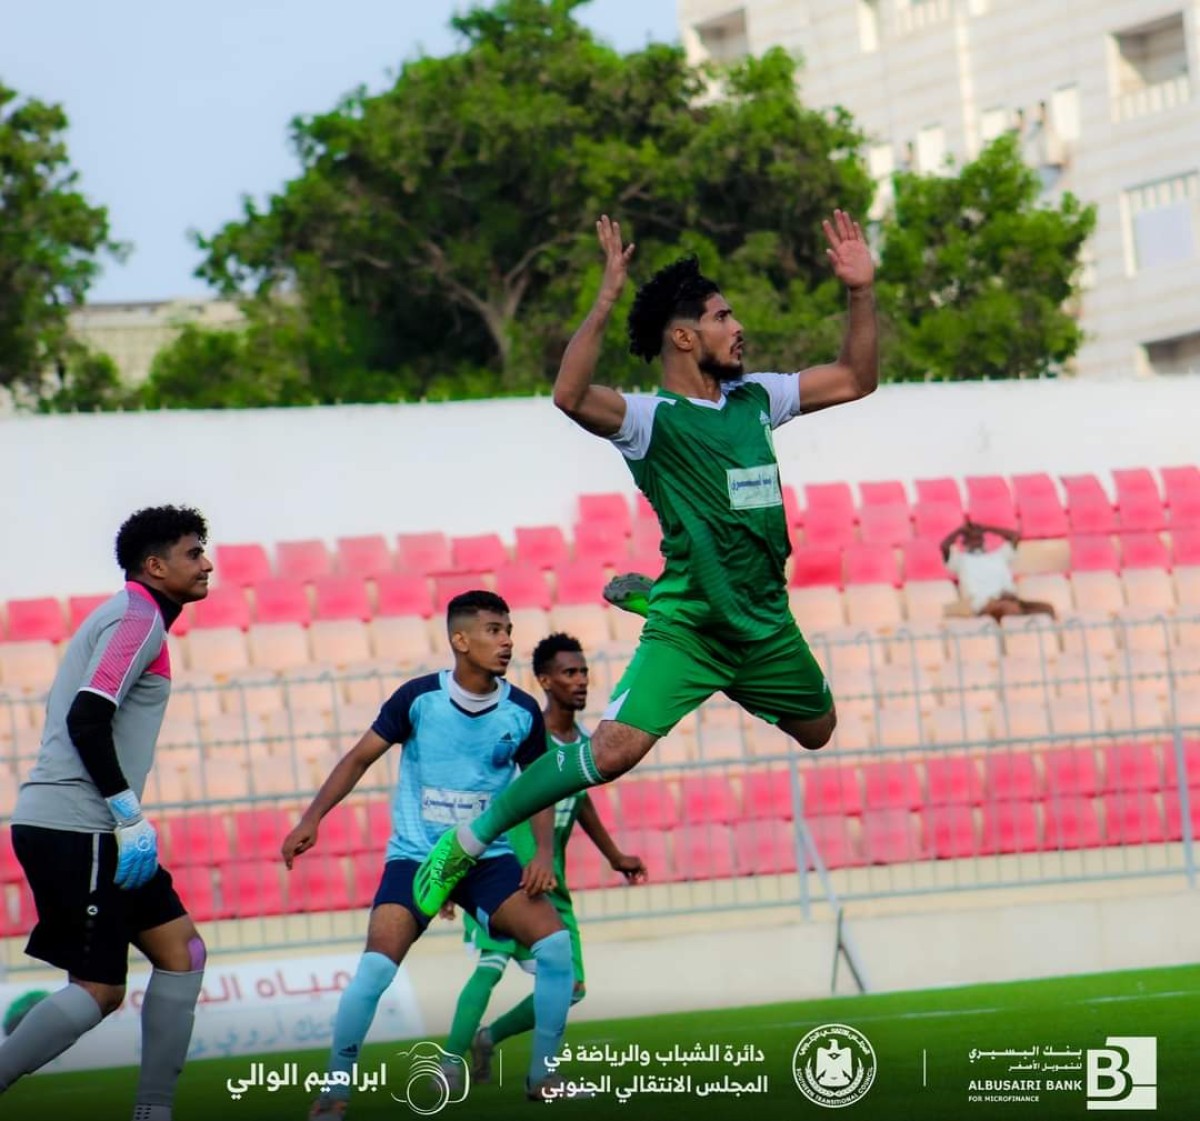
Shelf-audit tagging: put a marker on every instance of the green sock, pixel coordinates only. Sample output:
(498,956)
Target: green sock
(561,771)
(472,1003)
(516,1020)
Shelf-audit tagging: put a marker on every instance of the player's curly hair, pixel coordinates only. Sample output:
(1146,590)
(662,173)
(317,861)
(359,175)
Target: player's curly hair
(152,531)
(550,647)
(680,290)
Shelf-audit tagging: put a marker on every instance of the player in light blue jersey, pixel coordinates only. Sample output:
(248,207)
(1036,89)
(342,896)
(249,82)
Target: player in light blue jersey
(464,733)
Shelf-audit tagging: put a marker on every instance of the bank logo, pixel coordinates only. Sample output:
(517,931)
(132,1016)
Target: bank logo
(834,1066)
(1123,1075)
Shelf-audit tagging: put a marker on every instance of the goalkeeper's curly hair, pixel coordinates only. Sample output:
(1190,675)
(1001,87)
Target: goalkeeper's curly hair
(678,291)
(151,533)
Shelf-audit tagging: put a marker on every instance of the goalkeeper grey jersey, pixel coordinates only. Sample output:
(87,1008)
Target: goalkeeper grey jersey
(120,652)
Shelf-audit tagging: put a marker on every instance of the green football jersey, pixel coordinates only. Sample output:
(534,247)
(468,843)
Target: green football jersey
(709,471)
(566,813)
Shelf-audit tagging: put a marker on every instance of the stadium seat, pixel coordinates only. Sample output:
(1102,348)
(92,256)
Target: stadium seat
(241,565)
(586,868)
(1140,513)
(835,842)
(891,786)
(1010,827)
(342,642)
(1143,551)
(936,520)
(708,797)
(316,883)
(1010,776)
(405,639)
(403,593)
(224,606)
(941,491)
(1046,555)
(449,585)
(541,546)
(1149,589)
(870,564)
(477,553)
(522,585)
(647,804)
(194,886)
(926,600)
(1089,509)
(258,833)
(817,609)
(195,838)
(714,744)
(219,651)
(366,556)
(1070,772)
(828,496)
(922,562)
(281,601)
(1034,486)
(80,607)
(1173,815)
(767,794)
(832,789)
(990,500)
(1132,766)
(1135,482)
(816,567)
(36,620)
(303,560)
(1043,518)
(587,622)
(278,646)
(704,852)
(366,869)
(252,888)
(1181,490)
(28,666)
(957,722)
(889,492)
(1191,765)
(953,780)
(973,640)
(949,831)
(889,525)
(611,509)
(876,606)
(647,535)
(890,837)
(423,554)
(1071,823)
(829,527)
(1097,592)
(1093,553)
(1031,636)
(342,597)
(601,543)
(1049,587)
(1185,548)
(792,510)
(580,582)
(1133,818)
(764,848)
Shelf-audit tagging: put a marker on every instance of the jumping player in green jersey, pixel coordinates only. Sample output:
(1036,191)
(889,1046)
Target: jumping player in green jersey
(701,451)
(562,672)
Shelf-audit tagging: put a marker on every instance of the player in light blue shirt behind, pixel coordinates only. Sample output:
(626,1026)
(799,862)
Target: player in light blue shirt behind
(465,733)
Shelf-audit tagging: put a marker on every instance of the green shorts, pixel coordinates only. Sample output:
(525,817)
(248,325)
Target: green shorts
(499,950)
(676,669)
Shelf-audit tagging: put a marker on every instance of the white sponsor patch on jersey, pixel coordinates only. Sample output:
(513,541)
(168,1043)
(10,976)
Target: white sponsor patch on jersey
(751,488)
(450,807)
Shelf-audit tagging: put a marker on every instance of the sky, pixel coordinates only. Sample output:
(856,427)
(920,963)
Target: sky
(178,111)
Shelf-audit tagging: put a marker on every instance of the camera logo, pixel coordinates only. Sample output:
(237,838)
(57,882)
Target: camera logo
(434,1078)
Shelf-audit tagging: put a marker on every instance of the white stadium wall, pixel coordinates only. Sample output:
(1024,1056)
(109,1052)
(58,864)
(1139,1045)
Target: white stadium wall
(470,467)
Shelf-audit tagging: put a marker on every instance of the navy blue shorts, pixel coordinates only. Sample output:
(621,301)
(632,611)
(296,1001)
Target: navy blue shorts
(480,892)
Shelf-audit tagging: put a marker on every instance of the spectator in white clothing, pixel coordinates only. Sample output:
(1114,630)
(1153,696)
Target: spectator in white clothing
(985,579)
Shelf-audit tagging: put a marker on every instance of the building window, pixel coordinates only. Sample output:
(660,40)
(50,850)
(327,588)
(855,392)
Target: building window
(931,150)
(725,38)
(868,25)
(1162,220)
(916,15)
(1173,356)
(1064,113)
(1149,67)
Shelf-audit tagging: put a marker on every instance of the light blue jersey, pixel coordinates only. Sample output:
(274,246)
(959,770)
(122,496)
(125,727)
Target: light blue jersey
(454,761)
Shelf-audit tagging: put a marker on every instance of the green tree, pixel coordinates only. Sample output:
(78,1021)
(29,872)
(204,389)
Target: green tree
(88,382)
(51,241)
(977,273)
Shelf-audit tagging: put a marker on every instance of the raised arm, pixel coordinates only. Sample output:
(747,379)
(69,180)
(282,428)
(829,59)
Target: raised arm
(856,371)
(597,408)
(950,538)
(631,867)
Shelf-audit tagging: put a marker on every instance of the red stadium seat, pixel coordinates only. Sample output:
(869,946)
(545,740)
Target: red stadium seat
(1143,550)
(193,884)
(764,848)
(601,543)
(1033,487)
(602,799)
(885,525)
(953,780)
(834,842)
(1132,766)
(1071,772)
(1185,548)
(829,527)
(832,790)
(891,786)
(1181,490)
(241,564)
(922,560)
(813,567)
(611,509)
(281,601)
(647,804)
(302,560)
(1043,519)
(36,620)
(586,868)
(646,535)
(1133,818)
(1010,827)
(367,556)
(792,509)
(316,882)
(379,824)
(480,552)
(704,852)
(987,488)
(224,606)
(653,846)
(950,831)
(196,838)
(767,794)
(80,607)
(1071,823)
(708,798)
(994,511)
(342,833)
(828,496)
(1191,764)
(890,837)
(403,593)
(870,564)
(890,492)
(1010,777)
(445,588)
(250,889)
(541,546)
(342,597)
(258,833)
(1141,512)
(1135,482)
(942,492)
(649,562)
(366,869)
(423,554)
(580,582)
(522,585)
(935,520)
(1094,554)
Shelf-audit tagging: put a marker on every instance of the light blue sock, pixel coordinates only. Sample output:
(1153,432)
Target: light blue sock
(355,1012)
(551,998)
